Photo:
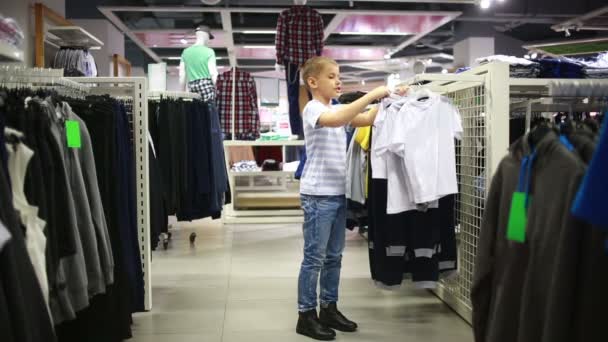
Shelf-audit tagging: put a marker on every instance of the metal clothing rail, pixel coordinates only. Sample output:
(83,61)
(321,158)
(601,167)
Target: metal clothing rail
(173,95)
(136,88)
(39,76)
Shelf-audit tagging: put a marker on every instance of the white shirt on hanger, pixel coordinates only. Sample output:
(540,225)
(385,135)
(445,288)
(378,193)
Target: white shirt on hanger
(422,135)
(388,165)
(5,236)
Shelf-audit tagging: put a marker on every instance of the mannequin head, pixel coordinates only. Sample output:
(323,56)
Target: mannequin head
(299,2)
(202,38)
(203,35)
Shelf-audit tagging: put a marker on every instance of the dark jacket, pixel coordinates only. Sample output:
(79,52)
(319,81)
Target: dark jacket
(532,291)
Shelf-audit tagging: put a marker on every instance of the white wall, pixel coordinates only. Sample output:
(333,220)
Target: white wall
(173,82)
(468,50)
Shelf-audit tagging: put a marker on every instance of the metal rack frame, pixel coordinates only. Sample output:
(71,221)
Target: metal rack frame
(137,88)
(173,94)
(484,96)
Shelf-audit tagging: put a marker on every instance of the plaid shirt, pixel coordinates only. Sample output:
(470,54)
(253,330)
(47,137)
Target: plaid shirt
(299,35)
(204,87)
(247,126)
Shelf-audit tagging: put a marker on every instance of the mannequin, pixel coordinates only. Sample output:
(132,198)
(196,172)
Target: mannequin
(190,64)
(294,46)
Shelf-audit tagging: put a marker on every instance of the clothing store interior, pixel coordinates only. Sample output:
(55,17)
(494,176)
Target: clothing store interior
(227,170)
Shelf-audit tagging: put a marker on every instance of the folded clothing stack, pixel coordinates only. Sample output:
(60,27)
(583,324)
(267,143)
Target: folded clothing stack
(272,136)
(10,32)
(245,166)
(519,67)
(560,68)
(597,68)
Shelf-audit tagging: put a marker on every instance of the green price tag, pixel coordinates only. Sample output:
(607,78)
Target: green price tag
(72,131)
(516,228)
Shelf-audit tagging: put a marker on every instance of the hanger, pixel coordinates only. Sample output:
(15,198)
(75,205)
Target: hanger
(537,134)
(13,136)
(423,94)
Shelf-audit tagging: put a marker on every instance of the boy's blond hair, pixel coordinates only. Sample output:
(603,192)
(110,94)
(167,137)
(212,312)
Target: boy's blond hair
(314,66)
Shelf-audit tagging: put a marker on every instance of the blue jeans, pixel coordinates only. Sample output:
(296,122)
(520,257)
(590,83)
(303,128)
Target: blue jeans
(324,234)
(292,77)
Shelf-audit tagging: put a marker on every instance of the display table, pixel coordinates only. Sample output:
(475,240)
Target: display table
(276,200)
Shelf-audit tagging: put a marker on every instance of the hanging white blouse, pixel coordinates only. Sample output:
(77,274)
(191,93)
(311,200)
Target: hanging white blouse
(19,157)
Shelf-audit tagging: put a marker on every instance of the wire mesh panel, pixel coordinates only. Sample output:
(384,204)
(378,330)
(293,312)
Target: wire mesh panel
(470,203)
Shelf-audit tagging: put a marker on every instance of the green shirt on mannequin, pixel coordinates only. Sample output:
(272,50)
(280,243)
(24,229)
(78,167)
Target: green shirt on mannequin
(196,59)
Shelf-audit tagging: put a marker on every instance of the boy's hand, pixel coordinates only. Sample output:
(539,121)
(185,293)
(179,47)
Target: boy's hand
(380,92)
(402,90)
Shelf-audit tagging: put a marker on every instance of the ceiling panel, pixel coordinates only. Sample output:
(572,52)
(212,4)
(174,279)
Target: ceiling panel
(365,40)
(174,40)
(169,20)
(242,38)
(258,62)
(407,24)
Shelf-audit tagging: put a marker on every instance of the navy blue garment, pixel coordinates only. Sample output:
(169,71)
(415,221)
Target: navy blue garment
(205,170)
(590,202)
(220,174)
(558,68)
(300,168)
(127,207)
(292,77)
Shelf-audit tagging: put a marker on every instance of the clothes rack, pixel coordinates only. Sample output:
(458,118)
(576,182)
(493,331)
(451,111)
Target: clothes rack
(483,96)
(154,95)
(136,88)
(39,76)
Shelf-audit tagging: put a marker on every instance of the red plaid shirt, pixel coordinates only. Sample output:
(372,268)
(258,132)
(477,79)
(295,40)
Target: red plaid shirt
(299,35)
(247,125)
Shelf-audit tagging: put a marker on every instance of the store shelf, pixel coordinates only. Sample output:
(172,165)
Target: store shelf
(9,53)
(264,143)
(254,200)
(73,36)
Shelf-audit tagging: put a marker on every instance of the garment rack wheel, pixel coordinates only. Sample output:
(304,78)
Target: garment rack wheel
(192,238)
(165,238)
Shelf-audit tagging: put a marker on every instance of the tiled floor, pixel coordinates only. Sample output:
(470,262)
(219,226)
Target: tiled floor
(238,283)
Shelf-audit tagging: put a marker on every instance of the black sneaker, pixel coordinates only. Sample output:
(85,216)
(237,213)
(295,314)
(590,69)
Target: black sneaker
(309,325)
(331,317)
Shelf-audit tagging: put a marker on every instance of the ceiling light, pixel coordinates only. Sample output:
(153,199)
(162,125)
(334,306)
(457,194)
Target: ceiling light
(362,82)
(485,4)
(155,45)
(183,41)
(534,55)
(444,71)
(173,58)
(527,56)
(259,46)
(260,31)
(429,61)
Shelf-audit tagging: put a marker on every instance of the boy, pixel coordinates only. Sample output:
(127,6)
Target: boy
(322,190)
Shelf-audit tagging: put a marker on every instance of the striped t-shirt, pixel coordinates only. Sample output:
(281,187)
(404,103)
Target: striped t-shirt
(325,169)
